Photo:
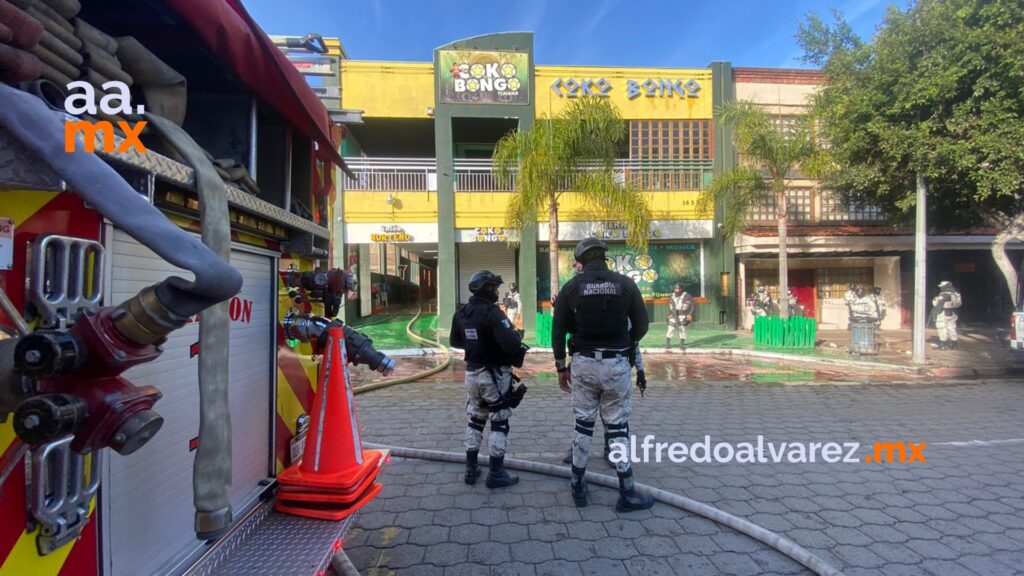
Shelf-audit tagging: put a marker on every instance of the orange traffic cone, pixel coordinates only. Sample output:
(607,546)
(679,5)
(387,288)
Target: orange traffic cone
(336,476)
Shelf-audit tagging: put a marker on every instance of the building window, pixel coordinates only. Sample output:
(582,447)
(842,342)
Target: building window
(670,154)
(834,282)
(799,204)
(834,209)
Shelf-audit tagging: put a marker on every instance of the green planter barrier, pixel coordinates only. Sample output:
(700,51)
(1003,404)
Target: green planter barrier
(793,333)
(544,330)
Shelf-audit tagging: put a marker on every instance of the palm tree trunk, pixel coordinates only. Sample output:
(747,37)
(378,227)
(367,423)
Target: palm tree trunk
(553,245)
(782,213)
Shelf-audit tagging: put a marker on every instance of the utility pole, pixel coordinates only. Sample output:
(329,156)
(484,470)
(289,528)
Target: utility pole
(920,263)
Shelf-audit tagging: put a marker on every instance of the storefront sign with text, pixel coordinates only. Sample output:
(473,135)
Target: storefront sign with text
(391,234)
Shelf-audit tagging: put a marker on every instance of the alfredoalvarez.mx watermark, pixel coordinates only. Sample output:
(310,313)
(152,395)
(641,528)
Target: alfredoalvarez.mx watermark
(116,100)
(762,451)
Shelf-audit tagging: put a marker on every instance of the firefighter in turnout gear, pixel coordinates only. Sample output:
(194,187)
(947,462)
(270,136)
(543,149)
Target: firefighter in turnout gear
(513,303)
(493,347)
(680,314)
(606,316)
(761,302)
(947,303)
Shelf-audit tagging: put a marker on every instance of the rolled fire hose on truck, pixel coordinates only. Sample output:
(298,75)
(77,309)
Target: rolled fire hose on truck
(148,317)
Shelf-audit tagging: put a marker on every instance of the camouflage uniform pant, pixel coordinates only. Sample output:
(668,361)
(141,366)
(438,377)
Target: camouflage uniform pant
(676,325)
(481,389)
(601,387)
(946,326)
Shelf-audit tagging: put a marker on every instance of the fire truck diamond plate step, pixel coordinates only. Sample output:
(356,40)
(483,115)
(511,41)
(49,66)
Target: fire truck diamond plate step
(278,545)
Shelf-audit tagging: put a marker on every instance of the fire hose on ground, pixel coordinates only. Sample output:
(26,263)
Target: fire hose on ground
(418,376)
(772,539)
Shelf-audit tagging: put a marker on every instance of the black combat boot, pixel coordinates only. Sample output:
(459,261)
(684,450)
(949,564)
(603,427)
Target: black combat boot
(953,344)
(682,345)
(943,345)
(668,343)
(472,470)
(498,477)
(580,494)
(629,499)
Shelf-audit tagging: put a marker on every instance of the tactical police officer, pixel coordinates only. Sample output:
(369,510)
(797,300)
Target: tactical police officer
(795,308)
(761,302)
(513,303)
(947,303)
(596,308)
(493,347)
(680,314)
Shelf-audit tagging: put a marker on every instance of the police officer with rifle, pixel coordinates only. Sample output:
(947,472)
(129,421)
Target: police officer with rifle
(605,315)
(493,347)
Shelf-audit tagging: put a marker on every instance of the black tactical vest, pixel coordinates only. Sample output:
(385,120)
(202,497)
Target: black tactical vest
(602,308)
(482,348)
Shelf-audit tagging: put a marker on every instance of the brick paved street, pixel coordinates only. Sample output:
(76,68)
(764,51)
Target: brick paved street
(961,512)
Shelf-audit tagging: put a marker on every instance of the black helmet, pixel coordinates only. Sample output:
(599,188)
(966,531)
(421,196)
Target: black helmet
(588,244)
(853,287)
(483,278)
(513,287)
(877,291)
(945,286)
(860,292)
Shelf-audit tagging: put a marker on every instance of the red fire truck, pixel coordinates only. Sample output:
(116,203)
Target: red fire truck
(150,387)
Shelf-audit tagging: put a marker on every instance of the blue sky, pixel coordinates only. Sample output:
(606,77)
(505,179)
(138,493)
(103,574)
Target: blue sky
(680,33)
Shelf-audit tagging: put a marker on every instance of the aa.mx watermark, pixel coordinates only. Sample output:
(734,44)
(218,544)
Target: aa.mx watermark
(762,451)
(116,100)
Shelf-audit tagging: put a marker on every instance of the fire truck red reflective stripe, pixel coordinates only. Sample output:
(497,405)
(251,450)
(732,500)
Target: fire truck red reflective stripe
(293,371)
(83,560)
(284,434)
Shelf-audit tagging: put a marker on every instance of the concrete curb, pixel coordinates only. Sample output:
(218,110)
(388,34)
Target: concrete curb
(934,371)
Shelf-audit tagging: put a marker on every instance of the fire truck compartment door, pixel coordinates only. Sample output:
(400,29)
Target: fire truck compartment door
(147,511)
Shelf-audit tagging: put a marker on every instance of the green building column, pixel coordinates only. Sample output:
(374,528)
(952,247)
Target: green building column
(528,264)
(720,252)
(444,113)
(447,271)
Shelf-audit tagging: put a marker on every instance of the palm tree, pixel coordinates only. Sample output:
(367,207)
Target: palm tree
(571,154)
(769,153)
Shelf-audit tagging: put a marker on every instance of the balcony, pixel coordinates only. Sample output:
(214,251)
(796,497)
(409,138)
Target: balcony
(476,175)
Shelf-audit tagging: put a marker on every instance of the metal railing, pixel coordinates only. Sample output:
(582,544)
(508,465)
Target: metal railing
(477,175)
(392,174)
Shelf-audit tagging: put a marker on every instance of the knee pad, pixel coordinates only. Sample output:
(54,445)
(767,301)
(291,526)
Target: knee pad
(620,430)
(500,426)
(585,427)
(477,423)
